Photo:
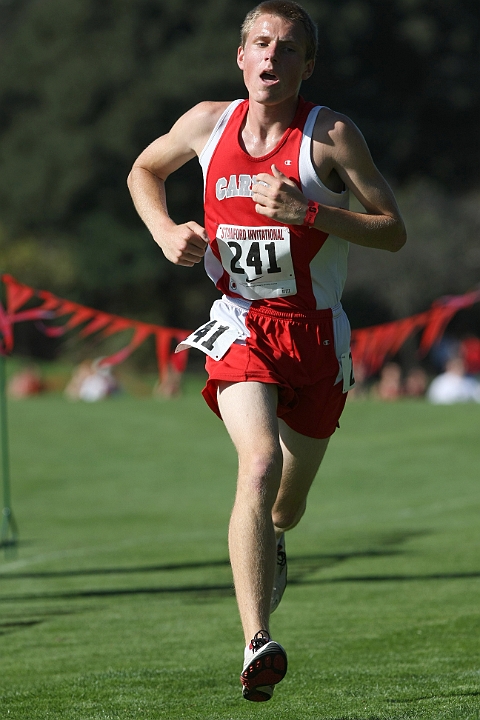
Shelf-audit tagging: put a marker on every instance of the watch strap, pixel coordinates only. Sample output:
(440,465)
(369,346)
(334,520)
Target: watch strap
(311,213)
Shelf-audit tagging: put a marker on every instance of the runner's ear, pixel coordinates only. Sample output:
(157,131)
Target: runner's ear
(308,70)
(240,57)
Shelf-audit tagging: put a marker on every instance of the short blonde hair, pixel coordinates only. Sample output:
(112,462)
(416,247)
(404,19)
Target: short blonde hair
(290,11)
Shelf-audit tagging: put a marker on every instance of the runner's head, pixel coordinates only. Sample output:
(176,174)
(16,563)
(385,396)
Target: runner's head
(290,11)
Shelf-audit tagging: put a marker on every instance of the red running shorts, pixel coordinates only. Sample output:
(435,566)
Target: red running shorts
(296,352)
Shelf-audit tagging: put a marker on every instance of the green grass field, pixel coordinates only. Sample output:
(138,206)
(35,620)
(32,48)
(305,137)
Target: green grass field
(118,603)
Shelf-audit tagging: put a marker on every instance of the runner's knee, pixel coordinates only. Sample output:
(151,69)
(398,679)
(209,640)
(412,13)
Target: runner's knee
(260,473)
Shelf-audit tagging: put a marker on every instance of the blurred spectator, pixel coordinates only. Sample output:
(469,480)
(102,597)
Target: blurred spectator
(91,382)
(359,391)
(453,386)
(470,351)
(170,385)
(26,382)
(444,350)
(416,383)
(389,386)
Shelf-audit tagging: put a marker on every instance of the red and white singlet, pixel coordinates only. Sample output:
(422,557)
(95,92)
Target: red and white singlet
(250,256)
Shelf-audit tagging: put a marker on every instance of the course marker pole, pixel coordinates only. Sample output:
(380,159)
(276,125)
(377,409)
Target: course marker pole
(9,529)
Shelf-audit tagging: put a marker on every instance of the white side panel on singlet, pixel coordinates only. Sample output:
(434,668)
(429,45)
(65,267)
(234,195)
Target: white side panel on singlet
(212,142)
(329,267)
(213,267)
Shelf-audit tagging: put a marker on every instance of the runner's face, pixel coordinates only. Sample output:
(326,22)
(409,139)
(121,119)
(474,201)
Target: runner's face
(273,60)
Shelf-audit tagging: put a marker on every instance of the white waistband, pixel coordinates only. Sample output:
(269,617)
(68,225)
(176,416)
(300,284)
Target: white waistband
(245,304)
(238,302)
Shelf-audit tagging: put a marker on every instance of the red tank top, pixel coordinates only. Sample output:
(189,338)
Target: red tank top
(252,256)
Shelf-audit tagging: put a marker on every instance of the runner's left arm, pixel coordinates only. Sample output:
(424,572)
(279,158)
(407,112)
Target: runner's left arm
(381,226)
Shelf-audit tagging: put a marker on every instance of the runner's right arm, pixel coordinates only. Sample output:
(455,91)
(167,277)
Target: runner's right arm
(183,244)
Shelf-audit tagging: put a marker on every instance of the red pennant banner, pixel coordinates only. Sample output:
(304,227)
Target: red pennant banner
(99,322)
(142,332)
(370,346)
(94,321)
(18,295)
(166,340)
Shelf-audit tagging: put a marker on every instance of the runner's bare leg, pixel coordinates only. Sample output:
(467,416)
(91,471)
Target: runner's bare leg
(249,413)
(301,460)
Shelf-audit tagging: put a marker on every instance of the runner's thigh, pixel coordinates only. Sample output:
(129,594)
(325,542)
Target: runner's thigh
(302,456)
(249,411)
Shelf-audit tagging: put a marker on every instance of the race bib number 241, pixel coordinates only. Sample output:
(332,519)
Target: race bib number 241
(258,260)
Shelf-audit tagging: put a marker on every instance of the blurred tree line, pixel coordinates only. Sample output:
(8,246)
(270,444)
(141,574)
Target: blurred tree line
(86,85)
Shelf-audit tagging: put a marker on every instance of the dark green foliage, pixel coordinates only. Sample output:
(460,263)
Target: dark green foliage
(86,85)
(407,72)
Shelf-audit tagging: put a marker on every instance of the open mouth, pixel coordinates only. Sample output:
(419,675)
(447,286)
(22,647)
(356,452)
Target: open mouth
(269,78)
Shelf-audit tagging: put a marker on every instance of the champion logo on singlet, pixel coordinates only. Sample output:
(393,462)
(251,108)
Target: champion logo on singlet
(235,186)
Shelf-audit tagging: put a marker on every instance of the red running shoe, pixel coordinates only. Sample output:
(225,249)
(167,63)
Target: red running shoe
(264,666)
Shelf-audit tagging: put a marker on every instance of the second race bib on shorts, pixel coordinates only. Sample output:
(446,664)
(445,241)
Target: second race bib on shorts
(258,260)
(213,338)
(347,370)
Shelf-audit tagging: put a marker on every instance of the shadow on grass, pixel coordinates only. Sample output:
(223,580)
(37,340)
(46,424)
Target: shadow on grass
(9,627)
(226,589)
(307,563)
(13,622)
(301,568)
(300,564)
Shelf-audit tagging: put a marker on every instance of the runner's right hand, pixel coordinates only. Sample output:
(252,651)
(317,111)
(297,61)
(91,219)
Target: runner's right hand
(184,244)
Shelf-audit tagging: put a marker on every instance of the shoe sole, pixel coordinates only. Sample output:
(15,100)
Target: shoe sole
(268,667)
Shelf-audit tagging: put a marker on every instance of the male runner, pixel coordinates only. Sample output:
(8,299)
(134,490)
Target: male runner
(277,172)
